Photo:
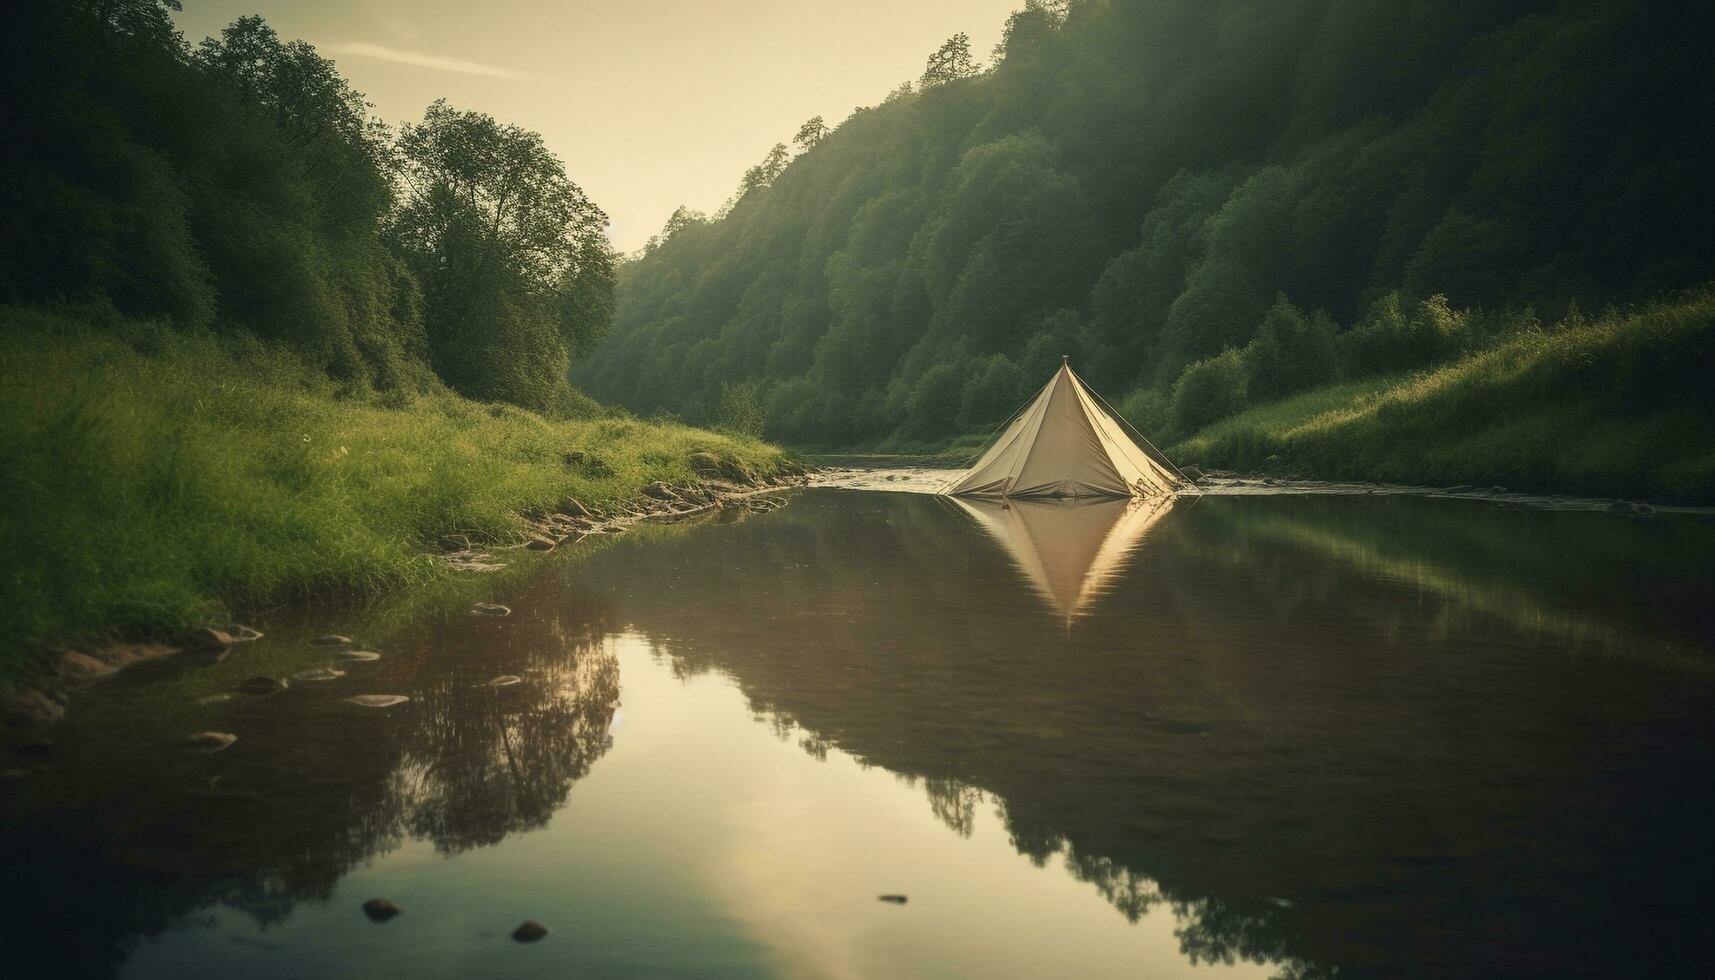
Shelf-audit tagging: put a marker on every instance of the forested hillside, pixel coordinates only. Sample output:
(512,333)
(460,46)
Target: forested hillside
(1139,183)
(241,186)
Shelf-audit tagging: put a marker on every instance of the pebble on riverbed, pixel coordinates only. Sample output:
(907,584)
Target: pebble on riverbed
(381,909)
(490,609)
(331,640)
(378,700)
(318,674)
(530,931)
(210,741)
(262,685)
(358,656)
(505,680)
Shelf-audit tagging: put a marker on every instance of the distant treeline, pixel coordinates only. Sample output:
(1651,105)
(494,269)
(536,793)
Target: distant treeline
(242,186)
(1332,187)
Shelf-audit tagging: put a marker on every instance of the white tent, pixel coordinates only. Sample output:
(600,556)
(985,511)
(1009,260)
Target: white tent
(1067,550)
(1066,443)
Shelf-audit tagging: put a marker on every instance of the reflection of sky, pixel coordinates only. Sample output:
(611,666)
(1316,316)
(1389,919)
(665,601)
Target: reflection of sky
(705,844)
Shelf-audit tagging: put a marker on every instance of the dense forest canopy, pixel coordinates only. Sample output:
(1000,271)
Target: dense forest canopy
(1312,187)
(242,186)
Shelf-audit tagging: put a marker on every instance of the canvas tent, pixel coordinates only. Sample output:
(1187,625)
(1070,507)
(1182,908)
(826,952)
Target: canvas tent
(1066,443)
(1067,550)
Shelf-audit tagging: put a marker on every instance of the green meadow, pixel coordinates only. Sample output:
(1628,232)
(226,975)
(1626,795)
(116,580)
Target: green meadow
(156,479)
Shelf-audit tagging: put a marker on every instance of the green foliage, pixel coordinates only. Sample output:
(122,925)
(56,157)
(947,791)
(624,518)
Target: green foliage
(741,409)
(1289,353)
(511,256)
(1208,390)
(1616,407)
(1396,334)
(153,476)
(1150,176)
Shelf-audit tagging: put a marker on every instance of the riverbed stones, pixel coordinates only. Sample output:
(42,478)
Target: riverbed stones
(261,686)
(358,656)
(83,667)
(331,640)
(505,680)
(530,931)
(381,909)
(206,640)
(209,741)
(377,700)
(490,609)
(318,674)
(22,708)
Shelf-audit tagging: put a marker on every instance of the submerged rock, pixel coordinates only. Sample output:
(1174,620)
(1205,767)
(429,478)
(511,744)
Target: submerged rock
(893,899)
(358,656)
(505,680)
(331,640)
(83,667)
(318,674)
(210,741)
(490,609)
(240,633)
(207,640)
(378,700)
(29,708)
(262,685)
(529,931)
(214,699)
(381,909)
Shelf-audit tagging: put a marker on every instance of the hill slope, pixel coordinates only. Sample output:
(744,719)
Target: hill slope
(1133,185)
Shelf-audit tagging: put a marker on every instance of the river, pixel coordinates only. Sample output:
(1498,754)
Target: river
(1257,734)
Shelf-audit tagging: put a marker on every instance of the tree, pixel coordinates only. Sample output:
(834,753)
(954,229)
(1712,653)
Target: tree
(682,217)
(764,173)
(950,62)
(812,132)
(512,256)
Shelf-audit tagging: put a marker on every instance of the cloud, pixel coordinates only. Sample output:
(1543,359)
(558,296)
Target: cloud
(436,62)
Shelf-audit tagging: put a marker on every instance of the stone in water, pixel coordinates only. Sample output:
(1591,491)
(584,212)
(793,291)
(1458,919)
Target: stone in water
(378,700)
(490,609)
(262,685)
(505,680)
(530,931)
(318,674)
(381,909)
(210,741)
(331,640)
(356,656)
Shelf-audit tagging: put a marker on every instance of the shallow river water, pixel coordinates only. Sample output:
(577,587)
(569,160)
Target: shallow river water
(1258,735)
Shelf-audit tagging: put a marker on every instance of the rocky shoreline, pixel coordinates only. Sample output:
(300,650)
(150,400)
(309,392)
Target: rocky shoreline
(28,713)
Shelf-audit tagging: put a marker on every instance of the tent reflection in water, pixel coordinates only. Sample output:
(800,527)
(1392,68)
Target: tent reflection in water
(1067,550)
(1067,492)
(1067,443)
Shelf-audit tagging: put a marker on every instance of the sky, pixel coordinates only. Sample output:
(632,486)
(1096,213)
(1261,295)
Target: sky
(650,103)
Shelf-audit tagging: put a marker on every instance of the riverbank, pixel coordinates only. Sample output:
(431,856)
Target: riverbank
(1617,407)
(156,482)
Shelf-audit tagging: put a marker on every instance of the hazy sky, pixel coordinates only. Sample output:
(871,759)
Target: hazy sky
(651,103)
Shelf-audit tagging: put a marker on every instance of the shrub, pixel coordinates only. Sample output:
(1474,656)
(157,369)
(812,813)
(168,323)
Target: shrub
(1208,391)
(741,408)
(1396,334)
(1289,353)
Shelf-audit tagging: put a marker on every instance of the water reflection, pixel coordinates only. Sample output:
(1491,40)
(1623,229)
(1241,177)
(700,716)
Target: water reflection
(1068,550)
(1380,737)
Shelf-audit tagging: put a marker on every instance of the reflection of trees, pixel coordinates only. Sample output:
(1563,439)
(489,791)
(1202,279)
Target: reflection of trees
(320,787)
(1300,760)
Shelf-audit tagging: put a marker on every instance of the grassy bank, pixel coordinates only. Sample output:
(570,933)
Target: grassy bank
(1622,407)
(154,480)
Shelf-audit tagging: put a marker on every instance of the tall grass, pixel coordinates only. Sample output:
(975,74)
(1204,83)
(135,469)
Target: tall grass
(152,480)
(1622,406)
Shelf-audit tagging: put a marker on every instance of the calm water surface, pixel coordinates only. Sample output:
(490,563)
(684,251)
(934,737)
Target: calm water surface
(1252,735)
